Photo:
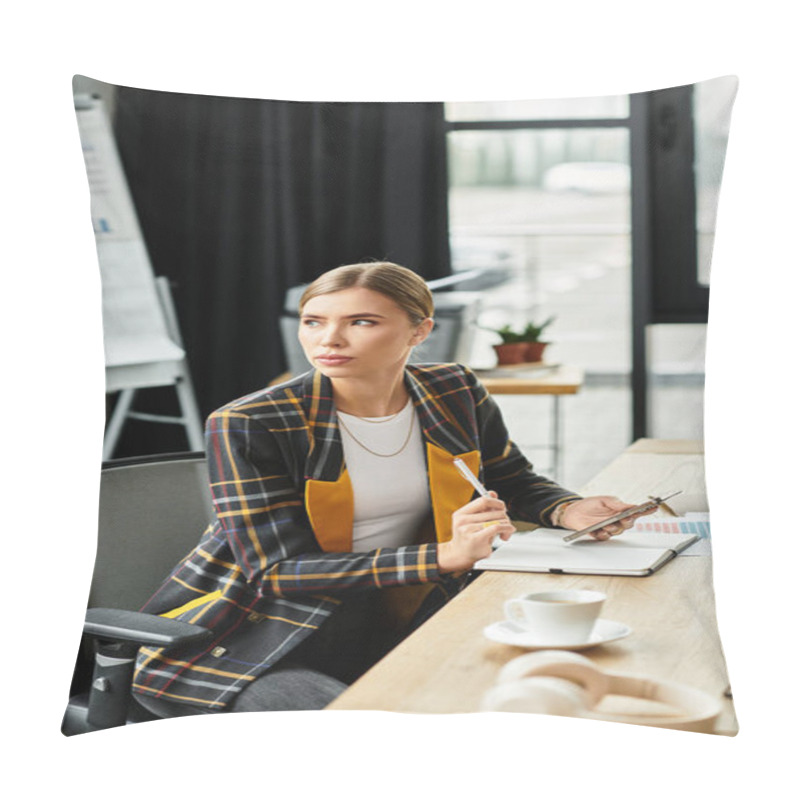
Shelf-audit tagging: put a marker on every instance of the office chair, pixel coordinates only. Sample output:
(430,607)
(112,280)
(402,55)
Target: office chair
(152,512)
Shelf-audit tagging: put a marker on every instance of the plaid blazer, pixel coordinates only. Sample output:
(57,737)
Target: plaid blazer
(278,560)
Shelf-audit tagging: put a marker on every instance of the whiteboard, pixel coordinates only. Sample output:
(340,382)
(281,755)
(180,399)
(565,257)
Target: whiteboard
(134,325)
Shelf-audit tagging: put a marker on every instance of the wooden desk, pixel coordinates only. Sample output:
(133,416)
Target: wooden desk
(447,665)
(558,381)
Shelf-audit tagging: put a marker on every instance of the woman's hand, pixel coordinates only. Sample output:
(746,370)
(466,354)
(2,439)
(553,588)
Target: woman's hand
(591,510)
(474,527)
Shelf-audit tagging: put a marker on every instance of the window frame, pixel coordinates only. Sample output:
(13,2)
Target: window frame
(665,286)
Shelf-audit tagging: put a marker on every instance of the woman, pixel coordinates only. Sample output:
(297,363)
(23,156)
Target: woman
(341,520)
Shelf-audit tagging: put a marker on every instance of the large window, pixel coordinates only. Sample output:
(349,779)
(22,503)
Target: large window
(541,190)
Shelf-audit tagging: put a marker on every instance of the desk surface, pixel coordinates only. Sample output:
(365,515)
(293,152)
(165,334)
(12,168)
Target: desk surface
(558,380)
(447,665)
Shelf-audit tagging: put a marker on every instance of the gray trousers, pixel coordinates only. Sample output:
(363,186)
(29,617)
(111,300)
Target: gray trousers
(313,674)
(289,688)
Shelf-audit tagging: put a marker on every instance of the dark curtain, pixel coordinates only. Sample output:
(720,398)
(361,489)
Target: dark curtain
(241,199)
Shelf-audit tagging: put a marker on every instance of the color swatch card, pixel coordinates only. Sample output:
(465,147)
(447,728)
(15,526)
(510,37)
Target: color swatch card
(695,522)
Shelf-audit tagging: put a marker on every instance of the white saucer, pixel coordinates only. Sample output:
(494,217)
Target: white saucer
(506,632)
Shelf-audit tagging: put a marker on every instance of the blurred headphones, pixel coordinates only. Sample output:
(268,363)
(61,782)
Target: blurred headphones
(567,684)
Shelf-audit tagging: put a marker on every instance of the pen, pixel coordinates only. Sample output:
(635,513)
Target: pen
(473,481)
(663,506)
(467,473)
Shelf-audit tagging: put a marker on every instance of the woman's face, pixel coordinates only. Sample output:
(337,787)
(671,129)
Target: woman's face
(358,333)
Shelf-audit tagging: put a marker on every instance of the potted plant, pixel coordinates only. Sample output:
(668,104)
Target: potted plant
(512,349)
(532,337)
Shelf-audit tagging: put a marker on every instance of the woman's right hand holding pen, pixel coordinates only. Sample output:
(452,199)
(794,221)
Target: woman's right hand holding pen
(475,526)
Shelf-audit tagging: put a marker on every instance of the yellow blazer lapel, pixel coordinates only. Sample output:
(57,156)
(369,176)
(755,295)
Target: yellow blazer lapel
(329,505)
(328,490)
(446,437)
(449,490)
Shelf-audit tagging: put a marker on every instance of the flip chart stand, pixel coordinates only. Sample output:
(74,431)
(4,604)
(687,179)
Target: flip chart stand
(141,336)
(130,378)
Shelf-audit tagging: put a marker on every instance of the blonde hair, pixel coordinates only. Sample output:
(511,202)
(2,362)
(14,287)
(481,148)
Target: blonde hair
(407,289)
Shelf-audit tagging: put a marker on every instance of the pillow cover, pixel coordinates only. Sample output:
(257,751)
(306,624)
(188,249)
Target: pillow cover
(209,211)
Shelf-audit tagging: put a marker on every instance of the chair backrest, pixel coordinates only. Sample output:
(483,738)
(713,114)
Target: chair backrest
(152,512)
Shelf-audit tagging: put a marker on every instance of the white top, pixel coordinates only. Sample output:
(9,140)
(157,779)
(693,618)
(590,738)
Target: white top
(391,496)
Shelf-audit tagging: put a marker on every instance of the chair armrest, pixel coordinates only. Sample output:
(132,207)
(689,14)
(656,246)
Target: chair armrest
(118,635)
(136,627)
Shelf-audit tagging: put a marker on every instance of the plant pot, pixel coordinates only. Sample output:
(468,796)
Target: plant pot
(511,352)
(534,351)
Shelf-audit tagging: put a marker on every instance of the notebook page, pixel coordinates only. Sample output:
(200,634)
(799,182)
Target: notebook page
(543,550)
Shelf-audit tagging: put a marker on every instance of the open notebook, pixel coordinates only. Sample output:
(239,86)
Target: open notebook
(543,550)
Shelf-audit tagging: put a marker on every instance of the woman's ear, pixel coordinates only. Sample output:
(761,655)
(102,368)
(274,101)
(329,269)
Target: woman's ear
(422,331)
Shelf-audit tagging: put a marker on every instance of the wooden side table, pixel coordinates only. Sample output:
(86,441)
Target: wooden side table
(555,380)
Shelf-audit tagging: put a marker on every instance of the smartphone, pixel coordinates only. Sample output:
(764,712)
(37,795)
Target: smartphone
(648,506)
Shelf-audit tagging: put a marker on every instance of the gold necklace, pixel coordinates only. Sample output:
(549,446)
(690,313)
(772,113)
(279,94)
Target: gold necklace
(379,420)
(381,455)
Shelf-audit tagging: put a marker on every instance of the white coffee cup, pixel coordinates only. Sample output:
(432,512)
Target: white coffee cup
(557,617)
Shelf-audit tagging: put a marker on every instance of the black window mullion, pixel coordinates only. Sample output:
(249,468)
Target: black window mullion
(536,124)
(676,293)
